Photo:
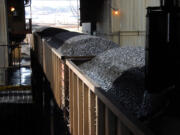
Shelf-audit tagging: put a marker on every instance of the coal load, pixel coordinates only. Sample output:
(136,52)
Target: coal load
(49,32)
(58,40)
(120,73)
(37,28)
(108,66)
(128,93)
(76,44)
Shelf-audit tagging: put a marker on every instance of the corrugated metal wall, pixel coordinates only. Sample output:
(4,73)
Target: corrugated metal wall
(3,35)
(129,28)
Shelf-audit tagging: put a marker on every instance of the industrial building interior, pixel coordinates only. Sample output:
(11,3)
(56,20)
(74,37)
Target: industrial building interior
(118,76)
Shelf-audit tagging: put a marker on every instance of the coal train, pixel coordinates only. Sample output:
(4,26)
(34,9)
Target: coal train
(60,53)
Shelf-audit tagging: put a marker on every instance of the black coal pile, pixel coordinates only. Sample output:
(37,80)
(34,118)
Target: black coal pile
(50,32)
(76,44)
(120,72)
(108,66)
(58,40)
(128,92)
(38,28)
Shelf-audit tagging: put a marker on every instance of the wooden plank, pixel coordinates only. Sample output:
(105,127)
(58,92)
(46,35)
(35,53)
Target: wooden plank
(71,107)
(59,81)
(92,113)
(75,112)
(57,96)
(97,114)
(89,111)
(106,121)
(112,123)
(85,111)
(32,36)
(101,118)
(55,76)
(77,94)
(51,69)
(80,107)
(66,85)
(119,132)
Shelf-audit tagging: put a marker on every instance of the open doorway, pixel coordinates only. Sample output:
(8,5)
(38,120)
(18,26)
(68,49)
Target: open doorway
(57,13)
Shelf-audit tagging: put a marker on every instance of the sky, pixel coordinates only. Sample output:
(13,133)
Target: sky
(54,11)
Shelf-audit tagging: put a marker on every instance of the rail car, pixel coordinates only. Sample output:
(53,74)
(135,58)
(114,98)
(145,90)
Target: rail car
(85,108)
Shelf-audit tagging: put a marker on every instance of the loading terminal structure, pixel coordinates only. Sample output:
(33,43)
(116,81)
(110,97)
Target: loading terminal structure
(81,84)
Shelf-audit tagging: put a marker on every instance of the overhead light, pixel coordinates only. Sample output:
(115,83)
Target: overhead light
(116,12)
(12,9)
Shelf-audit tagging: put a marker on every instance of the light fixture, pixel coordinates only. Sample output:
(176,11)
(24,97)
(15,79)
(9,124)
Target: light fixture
(12,9)
(115,12)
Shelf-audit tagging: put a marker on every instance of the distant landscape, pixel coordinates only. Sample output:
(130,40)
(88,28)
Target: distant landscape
(56,12)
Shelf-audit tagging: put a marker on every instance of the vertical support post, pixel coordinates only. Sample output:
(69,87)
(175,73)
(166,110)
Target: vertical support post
(101,118)
(80,107)
(71,108)
(3,35)
(119,132)
(92,112)
(106,121)
(97,115)
(62,81)
(85,111)
(122,129)
(75,112)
